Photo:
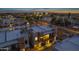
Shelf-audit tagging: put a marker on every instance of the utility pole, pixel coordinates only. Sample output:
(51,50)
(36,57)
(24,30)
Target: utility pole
(69,16)
(63,21)
(55,36)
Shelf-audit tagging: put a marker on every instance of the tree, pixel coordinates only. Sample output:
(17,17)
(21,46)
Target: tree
(1,21)
(53,20)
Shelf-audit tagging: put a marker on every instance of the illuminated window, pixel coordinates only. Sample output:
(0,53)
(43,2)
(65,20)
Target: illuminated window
(45,36)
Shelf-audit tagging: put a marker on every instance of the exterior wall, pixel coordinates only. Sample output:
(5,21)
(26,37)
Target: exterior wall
(2,37)
(9,37)
(13,35)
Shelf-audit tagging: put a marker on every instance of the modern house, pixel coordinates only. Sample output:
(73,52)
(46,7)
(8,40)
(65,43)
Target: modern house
(41,37)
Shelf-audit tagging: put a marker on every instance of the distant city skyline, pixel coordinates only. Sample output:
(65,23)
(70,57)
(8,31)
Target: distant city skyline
(73,10)
(39,8)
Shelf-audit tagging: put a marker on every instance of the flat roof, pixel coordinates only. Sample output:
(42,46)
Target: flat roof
(41,28)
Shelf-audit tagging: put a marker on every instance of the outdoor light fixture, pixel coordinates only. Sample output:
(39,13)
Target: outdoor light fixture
(27,23)
(36,38)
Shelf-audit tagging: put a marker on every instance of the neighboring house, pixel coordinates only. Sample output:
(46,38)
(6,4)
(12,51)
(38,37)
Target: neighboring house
(6,22)
(41,34)
(47,18)
(20,21)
